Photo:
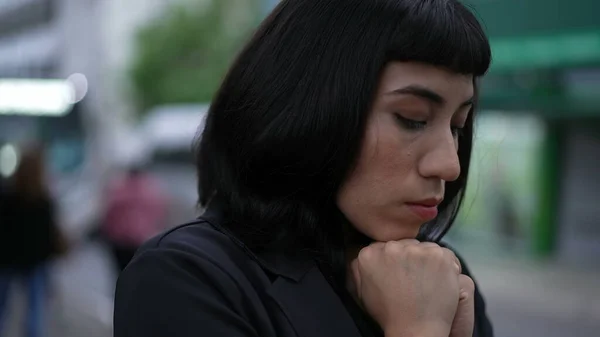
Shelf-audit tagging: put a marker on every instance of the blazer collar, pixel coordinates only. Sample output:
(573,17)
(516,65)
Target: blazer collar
(290,267)
(301,290)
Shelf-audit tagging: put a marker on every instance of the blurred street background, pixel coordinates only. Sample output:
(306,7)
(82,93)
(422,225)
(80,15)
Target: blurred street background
(116,91)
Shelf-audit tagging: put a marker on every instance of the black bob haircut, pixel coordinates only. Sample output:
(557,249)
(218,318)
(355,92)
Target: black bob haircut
(285,128)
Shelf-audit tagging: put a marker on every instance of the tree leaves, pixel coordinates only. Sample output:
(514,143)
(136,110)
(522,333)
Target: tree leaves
(182,56)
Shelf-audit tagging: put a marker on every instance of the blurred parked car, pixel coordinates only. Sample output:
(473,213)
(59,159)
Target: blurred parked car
(167,135)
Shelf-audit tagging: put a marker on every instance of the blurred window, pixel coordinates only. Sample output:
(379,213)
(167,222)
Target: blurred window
(17,18)
(65,141)
(63,138)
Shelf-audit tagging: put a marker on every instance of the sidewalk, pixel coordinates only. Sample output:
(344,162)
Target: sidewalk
(81,300)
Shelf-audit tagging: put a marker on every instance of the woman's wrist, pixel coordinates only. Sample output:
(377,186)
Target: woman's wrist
(411,334)
(415,332)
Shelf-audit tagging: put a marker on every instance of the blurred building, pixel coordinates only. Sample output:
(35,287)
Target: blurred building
(56,39)
(29,40)
(95,40)
(53,39)
(546,63)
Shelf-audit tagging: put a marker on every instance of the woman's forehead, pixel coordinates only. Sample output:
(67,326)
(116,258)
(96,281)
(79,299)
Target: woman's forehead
(442,82)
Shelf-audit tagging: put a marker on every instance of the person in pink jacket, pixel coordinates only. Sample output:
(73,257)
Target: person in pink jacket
(136,211)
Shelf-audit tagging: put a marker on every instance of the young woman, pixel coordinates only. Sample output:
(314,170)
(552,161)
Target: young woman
(334,158)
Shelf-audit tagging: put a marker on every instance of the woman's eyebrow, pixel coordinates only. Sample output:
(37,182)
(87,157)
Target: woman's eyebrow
(425,93)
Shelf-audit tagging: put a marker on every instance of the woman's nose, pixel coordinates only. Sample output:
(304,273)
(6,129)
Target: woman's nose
(441,161)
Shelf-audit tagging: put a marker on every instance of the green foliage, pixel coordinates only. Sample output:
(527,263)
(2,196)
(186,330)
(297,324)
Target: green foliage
(182,56)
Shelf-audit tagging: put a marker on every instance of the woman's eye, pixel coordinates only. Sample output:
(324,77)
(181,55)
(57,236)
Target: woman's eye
(410,124)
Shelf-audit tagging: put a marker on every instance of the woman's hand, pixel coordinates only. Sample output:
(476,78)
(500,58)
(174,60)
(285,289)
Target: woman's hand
(464,319)
(410,288)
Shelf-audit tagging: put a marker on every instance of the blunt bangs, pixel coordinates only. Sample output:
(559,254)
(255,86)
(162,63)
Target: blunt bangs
(439,33)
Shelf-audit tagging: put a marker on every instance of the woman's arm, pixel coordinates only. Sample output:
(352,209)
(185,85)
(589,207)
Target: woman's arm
(162,294)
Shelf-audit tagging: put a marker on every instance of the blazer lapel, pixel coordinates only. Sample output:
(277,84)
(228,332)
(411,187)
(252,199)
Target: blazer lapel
(312,306)
(300,290)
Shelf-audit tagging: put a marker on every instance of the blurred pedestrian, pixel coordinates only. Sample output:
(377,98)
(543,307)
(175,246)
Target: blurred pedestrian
(334,158)
(136,210)
(506,209)
(29,238)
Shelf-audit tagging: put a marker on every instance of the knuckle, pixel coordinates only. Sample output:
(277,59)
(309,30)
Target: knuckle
(393,248)
(438,253)
(366,254)
(449,253)
(467,284)
(429,245)
(408,242)
(414,250)
(451,256)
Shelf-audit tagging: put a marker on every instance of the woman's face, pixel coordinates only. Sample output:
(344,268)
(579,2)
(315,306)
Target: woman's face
(409,150)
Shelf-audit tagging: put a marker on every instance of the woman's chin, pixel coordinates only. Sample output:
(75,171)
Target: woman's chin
(396,235)
(383,232)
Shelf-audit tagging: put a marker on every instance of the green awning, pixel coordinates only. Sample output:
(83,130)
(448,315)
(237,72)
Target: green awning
(546,92)
(546,51)
(547,107)
(536,34)
(534,44)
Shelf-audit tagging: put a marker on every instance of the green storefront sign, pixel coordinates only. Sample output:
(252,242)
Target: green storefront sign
(511,18)
(535,43)
(533,34)
(569,49)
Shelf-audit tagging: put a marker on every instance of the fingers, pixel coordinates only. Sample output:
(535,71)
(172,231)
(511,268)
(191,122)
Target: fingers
(464,318)
(449,254)
(356,276)
(467,288)
(453,257)
(429,245)
(408,242)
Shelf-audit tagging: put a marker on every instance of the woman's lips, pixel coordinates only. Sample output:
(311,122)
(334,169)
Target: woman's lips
(425,212)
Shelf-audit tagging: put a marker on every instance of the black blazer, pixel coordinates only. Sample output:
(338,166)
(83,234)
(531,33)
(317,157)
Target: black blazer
(197,280)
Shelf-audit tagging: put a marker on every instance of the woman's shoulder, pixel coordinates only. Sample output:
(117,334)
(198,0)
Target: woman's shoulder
(191,273)
(193,245)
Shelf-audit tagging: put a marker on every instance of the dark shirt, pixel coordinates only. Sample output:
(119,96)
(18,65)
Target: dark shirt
(27,231)
(199,280)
